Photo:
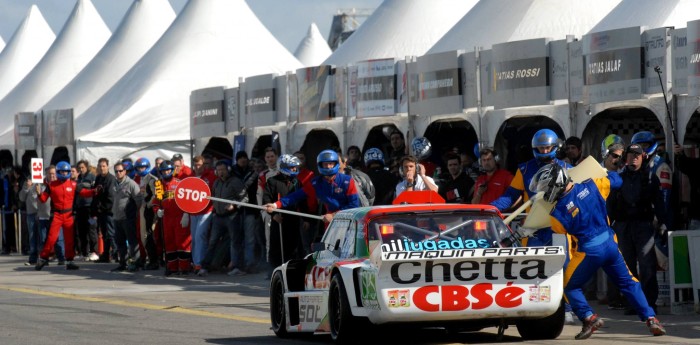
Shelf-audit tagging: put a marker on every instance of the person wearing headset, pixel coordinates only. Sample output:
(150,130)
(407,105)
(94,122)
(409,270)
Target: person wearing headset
(413,177)
(494,182)
(334,190)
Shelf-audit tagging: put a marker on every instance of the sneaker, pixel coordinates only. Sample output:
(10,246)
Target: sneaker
(92,257)
(236,272)
(40,264)
(569,318)
(202,272)
(655,327)
(28,263)
(590,325)
(120,268)
(72,266)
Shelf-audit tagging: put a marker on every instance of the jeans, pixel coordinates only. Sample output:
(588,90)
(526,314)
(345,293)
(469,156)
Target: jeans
(35,240)
(219,232)
(199,230)
(106,224)
(636,241)
(125,230)
(87,233)
(251,225)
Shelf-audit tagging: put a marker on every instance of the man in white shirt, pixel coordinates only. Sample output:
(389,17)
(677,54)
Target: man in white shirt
(413,176)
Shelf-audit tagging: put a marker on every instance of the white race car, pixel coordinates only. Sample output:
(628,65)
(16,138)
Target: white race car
(419,264)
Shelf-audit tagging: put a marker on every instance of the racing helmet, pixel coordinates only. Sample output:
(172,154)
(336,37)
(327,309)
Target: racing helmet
(609,141)
(374,155)
(646,137)
(61,168)
(142,162)
(545,137)
(328,156)
(166,165)
(551,179)
(286,163)
(128,166)
(421,148)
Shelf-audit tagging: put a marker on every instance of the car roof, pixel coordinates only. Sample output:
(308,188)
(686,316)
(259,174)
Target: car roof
(376,211)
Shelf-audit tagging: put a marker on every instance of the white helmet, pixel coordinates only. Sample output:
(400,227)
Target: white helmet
(551,179)
(420,148)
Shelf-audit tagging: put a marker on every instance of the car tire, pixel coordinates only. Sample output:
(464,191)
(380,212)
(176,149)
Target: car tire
(549,327)
(278,315)
(343,325)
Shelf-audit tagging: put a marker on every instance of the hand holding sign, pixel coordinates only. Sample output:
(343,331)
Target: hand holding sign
(37,171)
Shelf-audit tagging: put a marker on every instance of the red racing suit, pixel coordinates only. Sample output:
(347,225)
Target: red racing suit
(62,194)
(177,238)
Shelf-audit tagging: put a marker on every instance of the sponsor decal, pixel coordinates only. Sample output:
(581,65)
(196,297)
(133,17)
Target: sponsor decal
(369,290)
(540,293)
(409,272)
(584,193)
(318,278)
(399,298)
(390,253)
(409,245)
(310,309)
(459,297)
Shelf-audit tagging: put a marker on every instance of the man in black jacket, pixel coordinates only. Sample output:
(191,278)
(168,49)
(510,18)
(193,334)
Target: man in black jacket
(87,231)
(106,185)
(384,182)
(691,168)
(457,187)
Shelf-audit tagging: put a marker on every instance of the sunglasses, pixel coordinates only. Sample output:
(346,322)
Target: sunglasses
(615,155)
(118,171)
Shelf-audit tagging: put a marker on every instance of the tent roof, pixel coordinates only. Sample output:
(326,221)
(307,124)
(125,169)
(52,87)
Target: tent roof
(204,47)
(313,49)
(25,48)
(2,44)
(498,21)
(80,39)
(400,28)
(144,23)
(652,14)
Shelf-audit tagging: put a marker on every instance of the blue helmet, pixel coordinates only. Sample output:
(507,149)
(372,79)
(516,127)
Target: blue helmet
(374,155)
(142,163)
(166,165)
(646,137)
(286,163)
(545,137)
(62,167)
(328,156)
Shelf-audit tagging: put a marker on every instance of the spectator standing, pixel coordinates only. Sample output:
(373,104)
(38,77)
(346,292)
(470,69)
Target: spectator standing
(176,231)
(364,184)
(147,186)
(226,221)
(383,181)
(573,151)
(102,208)
(398,150)
(38,215)
(127,201)
(494,182)
(413,177)
(244,170)
(201,221)
(633,207)
(458,186)
(181,171)
(271,157)
(354,159)
(690,167)
(86,229)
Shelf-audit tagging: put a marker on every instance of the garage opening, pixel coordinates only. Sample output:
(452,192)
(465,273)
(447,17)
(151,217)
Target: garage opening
(316,141)
(514,139)
(219,148)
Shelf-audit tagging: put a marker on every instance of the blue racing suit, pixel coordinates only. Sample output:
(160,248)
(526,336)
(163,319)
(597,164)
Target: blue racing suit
(519,187)
(338,194)
(581,212)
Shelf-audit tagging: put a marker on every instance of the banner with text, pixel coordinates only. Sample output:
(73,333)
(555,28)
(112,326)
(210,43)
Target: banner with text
(613,65)
(521,73)
(693,53)
(434,84)
(316,93)
(679,61)
(258,95)
(656,48)
(207,113)
(376,88)
(26,131)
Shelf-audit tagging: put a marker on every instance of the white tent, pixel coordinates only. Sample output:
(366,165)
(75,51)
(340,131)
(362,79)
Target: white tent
(25,48)
(313,49)
(2,44)
(400,28)
(144,23)
(498,21)
(650,13)
(210,43)
(80,39)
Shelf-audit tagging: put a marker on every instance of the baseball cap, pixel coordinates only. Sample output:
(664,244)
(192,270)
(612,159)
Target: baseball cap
(635,148)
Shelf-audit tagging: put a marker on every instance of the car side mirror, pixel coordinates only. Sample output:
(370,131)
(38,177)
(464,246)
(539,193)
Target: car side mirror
(318,247)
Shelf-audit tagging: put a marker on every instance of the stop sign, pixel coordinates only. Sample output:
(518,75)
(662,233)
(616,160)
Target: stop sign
(191,195)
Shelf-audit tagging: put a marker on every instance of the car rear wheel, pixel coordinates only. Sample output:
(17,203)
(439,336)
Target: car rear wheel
(549,327)
(342,323)
(278,316)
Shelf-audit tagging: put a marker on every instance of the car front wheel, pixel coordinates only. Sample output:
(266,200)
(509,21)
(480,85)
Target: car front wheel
(342,323)
(278,316)
(549,327)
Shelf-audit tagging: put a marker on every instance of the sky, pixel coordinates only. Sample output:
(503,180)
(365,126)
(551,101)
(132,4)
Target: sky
(287,20)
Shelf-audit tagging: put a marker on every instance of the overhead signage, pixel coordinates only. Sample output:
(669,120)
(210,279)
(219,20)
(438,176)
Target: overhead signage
(316,93)
(521,73)
(679,61)
(258,100)
(693,53)
(376,88)
(613,65)
(25,131)
(435,85)
(232,111)
(655,51)
(207,117)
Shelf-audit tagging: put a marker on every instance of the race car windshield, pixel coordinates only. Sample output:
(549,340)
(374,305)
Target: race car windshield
(467,229)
